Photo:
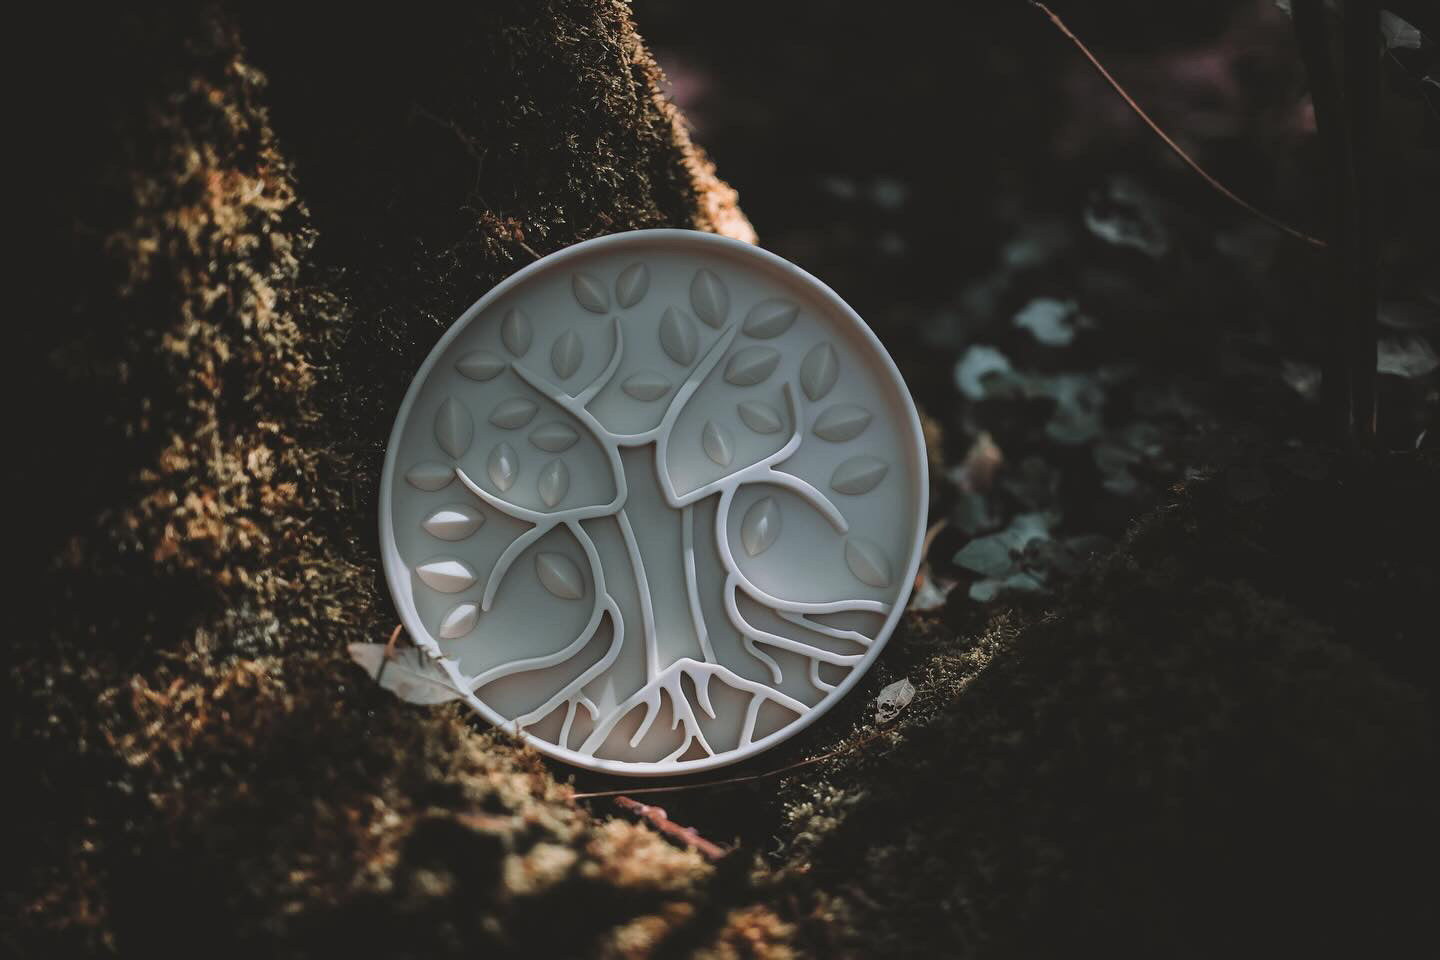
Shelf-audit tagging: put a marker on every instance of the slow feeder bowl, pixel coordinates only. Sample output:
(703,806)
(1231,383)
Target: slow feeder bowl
(656,502)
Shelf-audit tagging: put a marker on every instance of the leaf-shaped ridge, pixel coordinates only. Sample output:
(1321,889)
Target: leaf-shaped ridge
(481,365)
(454,521)
(459,621)
(844,421)
(446,574)
(760,417)
(709,298)
(859,474)
(554,437)
(761,526)
(590,293)
(770,318)
(514,413)
(717,443)
(646,385)
(818,371)
(867,562)
(504,466)
(560,576)
(516,332)
(632,284)
(566,354)
(678,337)
(554,482)
(751,366)
(453,428)
(430,475)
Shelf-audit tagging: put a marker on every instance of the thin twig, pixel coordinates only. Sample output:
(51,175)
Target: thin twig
(389,650)
(931,533)
(925,545)
(1175,147)
(728,781)
(393,641)
(686,835)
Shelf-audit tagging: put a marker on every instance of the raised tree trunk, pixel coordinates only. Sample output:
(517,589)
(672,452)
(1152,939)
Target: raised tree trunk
(265,218)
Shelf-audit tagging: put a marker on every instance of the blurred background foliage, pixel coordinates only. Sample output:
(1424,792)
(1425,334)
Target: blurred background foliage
(1077,311)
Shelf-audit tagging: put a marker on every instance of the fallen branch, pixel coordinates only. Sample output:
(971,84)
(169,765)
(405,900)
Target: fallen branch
(1189,161)
(686,835)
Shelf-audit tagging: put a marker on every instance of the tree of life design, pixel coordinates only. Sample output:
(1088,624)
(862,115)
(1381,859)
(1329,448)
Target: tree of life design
(633,505)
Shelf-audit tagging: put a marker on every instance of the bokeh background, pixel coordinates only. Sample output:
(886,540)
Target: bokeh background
(1047,273)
